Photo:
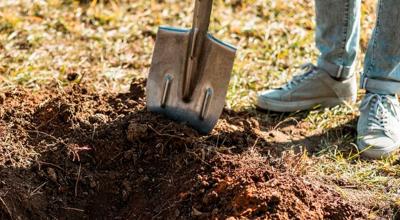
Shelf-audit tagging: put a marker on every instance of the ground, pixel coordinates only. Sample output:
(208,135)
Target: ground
(76,141)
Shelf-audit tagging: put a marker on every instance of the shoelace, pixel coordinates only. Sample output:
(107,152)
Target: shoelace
(379,110)
(308,72)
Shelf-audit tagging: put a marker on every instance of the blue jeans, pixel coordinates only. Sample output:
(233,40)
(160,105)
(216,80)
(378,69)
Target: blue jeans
(337,38)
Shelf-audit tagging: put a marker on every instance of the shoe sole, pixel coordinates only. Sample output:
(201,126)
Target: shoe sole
(377,154)
(293,106)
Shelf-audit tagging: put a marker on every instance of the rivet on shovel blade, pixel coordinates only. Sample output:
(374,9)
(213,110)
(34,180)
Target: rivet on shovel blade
(206,103)
(167,86)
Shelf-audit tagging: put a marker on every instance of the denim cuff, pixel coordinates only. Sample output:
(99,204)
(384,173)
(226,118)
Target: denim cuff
(384,87)
(336,71)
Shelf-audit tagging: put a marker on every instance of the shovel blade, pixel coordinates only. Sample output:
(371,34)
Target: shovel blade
(166,79)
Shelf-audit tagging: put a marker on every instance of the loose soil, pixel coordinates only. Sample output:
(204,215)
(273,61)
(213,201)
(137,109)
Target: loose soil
(74,154)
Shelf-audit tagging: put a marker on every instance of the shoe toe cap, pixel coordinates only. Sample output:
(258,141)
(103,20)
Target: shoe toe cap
(275,94)
(377,146)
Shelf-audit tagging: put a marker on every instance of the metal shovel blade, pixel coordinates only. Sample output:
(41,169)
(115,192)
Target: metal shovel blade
(167,78)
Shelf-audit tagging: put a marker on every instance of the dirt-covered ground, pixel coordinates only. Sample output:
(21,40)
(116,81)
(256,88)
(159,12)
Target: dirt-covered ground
(103,156)
(76,141)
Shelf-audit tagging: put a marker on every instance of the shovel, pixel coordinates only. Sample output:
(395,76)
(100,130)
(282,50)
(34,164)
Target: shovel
(190,72)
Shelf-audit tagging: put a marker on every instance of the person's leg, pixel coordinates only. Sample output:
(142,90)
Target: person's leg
(382,62)
(379,122)
(331,81)
(337,35)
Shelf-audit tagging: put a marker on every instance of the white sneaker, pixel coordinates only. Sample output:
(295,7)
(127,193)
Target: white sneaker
(314,87)
(379,126)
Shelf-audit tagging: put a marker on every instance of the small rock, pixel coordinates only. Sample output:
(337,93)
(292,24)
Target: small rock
(85,124)
(196,212)
(52,174)
(126,184)
(98,118)
(146,178)
(177,213)
(275,198)
(130,155)
(199,177)
(125,195)
(92,183)
(136,131)
(210,197)
(140,170)
(205,183)
(184,195)
(72,76)
(131,103)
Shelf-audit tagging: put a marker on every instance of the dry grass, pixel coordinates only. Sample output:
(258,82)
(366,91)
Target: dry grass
(106,45)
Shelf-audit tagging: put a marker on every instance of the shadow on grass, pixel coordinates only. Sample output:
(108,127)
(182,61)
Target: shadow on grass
(279,132)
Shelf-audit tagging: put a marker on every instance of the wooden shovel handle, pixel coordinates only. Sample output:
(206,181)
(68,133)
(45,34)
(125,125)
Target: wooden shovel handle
(202,14)
(201,21)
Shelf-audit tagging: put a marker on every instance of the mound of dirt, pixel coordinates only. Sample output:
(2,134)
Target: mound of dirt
(251,186)
(75,154)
